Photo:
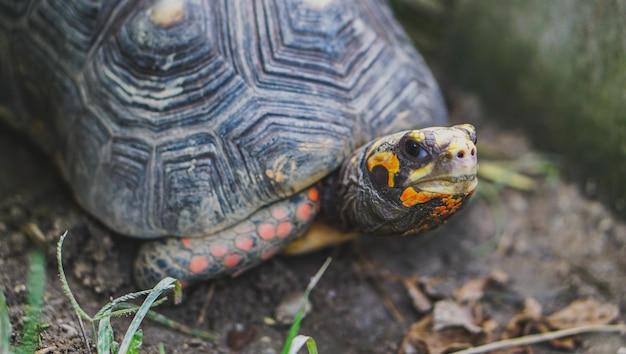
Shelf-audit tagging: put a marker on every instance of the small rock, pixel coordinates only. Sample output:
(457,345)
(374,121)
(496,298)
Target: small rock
(450,314)
(240,337)
(287,309)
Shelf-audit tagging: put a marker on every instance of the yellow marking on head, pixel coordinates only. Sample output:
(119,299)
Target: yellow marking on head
(410,197)
(389,161)
(416,135)
(421,172)
(167,13)
(456,145)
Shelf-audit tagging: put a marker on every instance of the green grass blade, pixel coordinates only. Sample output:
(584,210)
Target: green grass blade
(293,331)
(105,336)
(169,323)
(300,341)
(108,307)
(35,285)
(311,346)
(136,342)
(162,286)
(5,325)
(66,287)
(161,348)
(295,327)
(499,174)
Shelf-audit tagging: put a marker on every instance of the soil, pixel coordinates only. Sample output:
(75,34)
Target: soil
(555,244)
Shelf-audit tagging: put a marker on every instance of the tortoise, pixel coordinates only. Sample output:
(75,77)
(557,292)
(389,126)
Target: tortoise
(219,130)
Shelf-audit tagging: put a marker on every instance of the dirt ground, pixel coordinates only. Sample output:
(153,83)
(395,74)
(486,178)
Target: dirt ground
(555,244)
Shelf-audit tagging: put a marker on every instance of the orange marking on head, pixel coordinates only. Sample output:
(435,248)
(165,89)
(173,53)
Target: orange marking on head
(279,212)
(313,194)
(244,243)
(304,212)
(410,197)
(232,260)
(267,231)
(198,264)
(389,161)
(284,229)
(218,250)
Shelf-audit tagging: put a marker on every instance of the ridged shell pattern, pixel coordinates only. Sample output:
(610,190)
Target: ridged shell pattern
(183,117)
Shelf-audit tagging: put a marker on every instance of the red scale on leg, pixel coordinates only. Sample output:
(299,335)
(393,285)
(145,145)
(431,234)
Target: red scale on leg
(266,231)
(244,243)
(313,194)
(198,264)
(232,260)
(279,212)
(284,229)
(218,250)
(186,241)
(304,211)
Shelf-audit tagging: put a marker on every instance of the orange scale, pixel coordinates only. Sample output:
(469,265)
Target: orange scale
(244,243)
(232,260)
(304,212)
(314,194)
(198,264)
(267,231)
(218,250)
(186,241)
(284,229)
(279,212)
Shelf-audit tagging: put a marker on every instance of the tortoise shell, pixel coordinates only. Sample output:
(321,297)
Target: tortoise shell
(183,117)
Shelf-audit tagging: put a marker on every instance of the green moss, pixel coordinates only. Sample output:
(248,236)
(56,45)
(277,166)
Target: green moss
(557,68)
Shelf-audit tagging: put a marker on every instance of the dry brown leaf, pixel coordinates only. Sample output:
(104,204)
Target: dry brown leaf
(532,308)
(525,321)
(422,339)
(474,289)
(420,301)
(491,329)
(450,314)
(583,313)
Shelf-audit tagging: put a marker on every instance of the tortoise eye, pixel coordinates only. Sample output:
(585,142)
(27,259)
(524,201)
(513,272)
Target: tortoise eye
(414,150)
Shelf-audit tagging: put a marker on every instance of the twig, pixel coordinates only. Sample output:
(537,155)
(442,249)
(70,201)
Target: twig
(33,231)
(205,306)
(83,333)
(542,337)
(373,280)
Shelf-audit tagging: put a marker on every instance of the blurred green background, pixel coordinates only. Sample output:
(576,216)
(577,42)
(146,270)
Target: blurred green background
(556,68)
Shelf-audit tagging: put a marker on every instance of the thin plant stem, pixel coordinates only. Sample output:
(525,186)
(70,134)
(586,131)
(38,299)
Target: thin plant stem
(65,284)
(542,337)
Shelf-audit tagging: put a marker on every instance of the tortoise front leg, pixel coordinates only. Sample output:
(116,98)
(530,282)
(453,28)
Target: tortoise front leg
(229,251)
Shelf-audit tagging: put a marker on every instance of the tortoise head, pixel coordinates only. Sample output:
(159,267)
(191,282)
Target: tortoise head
(410,181)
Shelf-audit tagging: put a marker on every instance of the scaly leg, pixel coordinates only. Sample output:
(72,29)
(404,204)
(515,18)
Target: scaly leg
(229,251)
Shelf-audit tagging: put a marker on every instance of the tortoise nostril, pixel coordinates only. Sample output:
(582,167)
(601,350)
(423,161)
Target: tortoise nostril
(460,154)
(473,152)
